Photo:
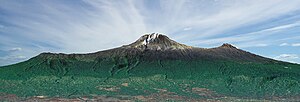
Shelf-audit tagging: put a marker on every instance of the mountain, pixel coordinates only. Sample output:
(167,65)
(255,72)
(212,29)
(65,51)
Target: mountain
(160,47)
(153,68)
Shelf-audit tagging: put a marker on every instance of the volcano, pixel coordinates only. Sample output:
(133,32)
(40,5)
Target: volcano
(160,47)
(153,68)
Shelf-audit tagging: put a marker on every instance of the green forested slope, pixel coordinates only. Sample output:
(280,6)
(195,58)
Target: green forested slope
(121,76)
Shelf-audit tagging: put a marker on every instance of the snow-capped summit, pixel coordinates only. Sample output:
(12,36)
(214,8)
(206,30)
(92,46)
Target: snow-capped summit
(150,38)
(156,41)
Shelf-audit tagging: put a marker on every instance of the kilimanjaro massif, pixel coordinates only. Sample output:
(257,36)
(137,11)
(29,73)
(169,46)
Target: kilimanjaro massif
(153,68)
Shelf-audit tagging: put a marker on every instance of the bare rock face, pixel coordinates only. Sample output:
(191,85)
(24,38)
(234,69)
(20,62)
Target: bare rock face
(226,45)
(156,41)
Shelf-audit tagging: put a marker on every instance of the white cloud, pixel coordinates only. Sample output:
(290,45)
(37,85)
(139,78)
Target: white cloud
(106,24)
(287,57)
(19,57)
(15,49)
(284,26)
(241,13)
(187,28)
(249,37)
(296,44)
(284,44)
(293,44)
(249,44)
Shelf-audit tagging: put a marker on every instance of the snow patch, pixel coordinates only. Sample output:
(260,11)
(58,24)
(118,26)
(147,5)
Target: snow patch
(150,38)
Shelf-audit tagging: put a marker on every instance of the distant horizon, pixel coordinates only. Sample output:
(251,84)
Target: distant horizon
(267,28)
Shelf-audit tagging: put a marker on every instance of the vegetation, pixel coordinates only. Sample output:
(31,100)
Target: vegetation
(69,78)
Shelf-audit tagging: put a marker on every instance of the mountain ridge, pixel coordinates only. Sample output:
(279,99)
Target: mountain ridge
(160,47)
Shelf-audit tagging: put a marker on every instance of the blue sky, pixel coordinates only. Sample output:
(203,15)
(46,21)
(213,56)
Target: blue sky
(270,28)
